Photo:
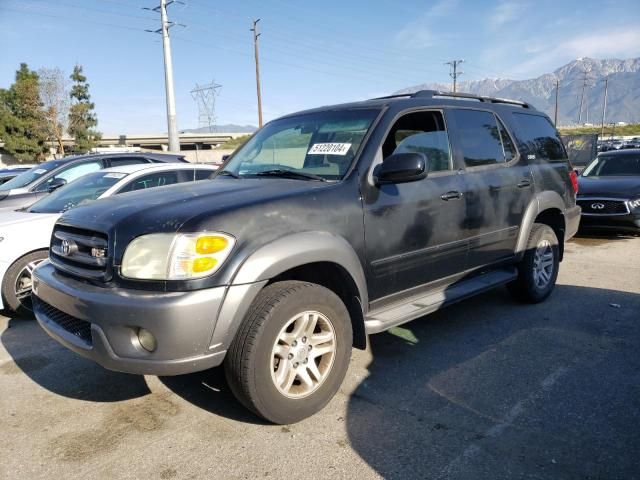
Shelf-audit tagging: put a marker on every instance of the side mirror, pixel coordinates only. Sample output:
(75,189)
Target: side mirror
(56,183)
(225,157)
(402,168)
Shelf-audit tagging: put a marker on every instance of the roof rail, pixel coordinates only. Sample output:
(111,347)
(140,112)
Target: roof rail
(480,98)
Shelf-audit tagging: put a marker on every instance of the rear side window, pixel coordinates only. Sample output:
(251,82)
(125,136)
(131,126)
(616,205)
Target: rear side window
(118,162)
(540,136)
(152,180)
(479,137)
(203,174)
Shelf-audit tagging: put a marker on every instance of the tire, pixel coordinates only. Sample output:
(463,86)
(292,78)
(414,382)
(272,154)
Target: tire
(270,348)
(538,269)
(16,284)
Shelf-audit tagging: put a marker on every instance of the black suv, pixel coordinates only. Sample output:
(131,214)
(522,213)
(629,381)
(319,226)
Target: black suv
(326,226)
(33,184)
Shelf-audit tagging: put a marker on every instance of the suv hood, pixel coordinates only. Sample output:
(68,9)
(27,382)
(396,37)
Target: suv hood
(615,187)
(166,209)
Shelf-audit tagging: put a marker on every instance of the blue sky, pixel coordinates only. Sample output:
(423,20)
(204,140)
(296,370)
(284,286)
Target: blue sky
(312,53)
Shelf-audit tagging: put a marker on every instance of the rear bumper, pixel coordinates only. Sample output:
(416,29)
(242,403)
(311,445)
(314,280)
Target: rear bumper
(572,222)
(102,324)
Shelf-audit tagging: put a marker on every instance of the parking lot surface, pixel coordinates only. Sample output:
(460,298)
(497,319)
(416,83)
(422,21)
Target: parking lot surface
(487,388)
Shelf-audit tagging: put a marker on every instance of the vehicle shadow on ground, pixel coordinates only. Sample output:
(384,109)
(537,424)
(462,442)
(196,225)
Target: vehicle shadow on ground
(61,371)
(490,388)
(209,390)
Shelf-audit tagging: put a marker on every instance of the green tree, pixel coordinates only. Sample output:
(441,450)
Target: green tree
(22,126)
(82,117)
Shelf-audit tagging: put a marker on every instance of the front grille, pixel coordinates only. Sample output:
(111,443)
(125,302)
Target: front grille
(80,252)
(73,325)
(601,206)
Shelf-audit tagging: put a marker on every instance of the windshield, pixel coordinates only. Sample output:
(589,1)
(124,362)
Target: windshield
(313,146)
(81,191)
(613,166)
(31,175)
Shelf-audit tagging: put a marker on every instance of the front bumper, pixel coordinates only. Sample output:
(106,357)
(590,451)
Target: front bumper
(622,223)
(4,266)
(102,324)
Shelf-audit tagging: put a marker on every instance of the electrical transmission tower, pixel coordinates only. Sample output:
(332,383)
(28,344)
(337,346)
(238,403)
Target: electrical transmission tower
(205,98)
(454,73)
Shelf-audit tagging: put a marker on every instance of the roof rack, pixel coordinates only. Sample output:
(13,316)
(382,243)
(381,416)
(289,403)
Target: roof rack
(464,96)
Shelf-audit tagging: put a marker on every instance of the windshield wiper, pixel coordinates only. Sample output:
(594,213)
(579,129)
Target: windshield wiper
(228,172)
(282,172)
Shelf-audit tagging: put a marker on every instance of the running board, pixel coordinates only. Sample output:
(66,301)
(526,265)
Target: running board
(396,314)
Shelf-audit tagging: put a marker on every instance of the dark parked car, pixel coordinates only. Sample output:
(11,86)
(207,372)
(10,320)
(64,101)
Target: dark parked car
(326,226)
(609,192)
(38,181)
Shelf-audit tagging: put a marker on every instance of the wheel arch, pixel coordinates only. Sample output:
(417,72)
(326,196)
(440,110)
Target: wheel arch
(546,208)
(317,257)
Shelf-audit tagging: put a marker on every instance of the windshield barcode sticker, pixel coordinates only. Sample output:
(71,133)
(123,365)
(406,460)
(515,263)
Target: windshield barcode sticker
(40,171)
(115,175)
(329,149)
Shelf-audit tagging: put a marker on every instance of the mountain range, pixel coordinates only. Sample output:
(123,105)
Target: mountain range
(623,96)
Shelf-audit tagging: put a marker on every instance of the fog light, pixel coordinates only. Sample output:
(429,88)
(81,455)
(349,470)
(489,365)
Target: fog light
(147,340)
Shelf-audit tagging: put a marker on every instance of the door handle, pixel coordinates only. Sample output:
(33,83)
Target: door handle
(524,183)
(451,195)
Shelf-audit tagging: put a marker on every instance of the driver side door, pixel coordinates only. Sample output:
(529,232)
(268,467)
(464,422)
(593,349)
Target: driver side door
(412,230)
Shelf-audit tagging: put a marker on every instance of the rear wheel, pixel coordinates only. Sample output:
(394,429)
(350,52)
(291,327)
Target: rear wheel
(291,353)
(538,270)
(17,282)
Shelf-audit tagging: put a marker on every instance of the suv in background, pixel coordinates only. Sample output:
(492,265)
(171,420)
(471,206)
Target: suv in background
(326,226)
(35,183)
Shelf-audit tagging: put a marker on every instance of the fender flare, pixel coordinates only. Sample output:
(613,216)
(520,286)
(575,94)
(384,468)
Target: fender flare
(275,258)
(541,202)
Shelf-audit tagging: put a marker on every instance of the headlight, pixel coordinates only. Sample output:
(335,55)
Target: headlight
(169,256)
(634,203)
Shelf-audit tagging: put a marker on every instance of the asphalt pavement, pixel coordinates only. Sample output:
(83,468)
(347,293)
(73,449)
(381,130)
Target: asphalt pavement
(486,389)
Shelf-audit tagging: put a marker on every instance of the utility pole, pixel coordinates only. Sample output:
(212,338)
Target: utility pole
(604,105)
(454,73)
(585,84)
(555,118)
(165,25)
(256,53)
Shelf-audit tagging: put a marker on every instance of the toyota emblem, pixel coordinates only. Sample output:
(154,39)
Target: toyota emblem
(66,247)
(597,206)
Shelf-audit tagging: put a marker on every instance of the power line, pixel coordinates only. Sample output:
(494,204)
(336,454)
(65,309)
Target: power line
(455,73)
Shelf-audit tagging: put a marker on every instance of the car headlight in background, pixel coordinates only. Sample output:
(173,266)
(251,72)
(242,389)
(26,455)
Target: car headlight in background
(181,256)
(634,203)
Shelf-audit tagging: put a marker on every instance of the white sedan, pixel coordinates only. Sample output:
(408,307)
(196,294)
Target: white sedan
(25,234)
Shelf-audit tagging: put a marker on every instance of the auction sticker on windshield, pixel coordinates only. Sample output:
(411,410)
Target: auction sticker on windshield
(329,149)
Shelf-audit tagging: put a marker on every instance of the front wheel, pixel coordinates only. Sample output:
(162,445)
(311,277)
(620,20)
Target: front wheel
(538,270)
(17,282)
(291,353)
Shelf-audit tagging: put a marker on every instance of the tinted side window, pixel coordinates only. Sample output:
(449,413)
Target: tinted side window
(510,151)
(118,162)
(71,173)
(479,137)
(203,174)
(159,179)
(420,132)
(540,136)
